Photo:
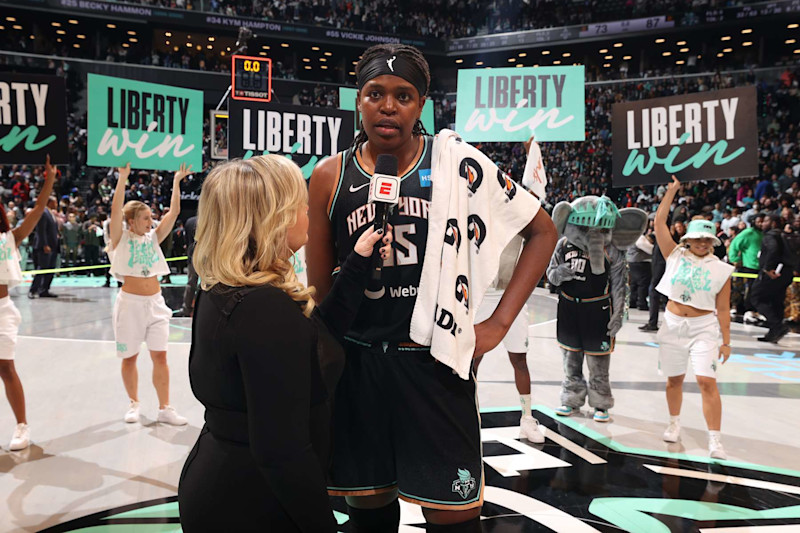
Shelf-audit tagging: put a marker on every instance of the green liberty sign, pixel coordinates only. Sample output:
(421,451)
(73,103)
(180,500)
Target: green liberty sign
(513,104)
(709,135)
(151,126)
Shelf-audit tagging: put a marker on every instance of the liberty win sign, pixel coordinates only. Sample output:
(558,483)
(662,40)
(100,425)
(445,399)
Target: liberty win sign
(33,121)
(703,136)
(151,126)
(512,104)
(306,135)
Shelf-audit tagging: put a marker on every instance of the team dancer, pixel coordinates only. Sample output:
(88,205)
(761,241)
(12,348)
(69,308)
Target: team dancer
(11,276)
(403,423)
(140,314)
(696,283)
(515,341)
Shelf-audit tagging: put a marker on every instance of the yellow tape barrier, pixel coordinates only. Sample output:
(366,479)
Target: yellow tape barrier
(76,269)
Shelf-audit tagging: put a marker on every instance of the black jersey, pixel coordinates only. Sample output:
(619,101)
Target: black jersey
(585,284)
(385,315)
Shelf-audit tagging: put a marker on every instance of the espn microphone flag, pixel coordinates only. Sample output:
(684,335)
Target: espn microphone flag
(384,193)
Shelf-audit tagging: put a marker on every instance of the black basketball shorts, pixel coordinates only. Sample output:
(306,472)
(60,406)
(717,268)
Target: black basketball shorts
(583,325)
(403,420)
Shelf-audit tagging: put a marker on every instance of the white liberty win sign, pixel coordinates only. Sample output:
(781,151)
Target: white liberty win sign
(702,136)
(513,104)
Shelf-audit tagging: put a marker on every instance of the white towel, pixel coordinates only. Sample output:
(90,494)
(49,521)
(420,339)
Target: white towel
(475,211)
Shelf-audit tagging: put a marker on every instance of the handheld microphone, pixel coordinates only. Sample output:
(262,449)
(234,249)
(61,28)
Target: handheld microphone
(384,192)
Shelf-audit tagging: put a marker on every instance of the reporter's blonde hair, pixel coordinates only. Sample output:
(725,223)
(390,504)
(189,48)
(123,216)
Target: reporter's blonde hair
(246,209)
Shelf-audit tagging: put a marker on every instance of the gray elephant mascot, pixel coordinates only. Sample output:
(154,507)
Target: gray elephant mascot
(589,269)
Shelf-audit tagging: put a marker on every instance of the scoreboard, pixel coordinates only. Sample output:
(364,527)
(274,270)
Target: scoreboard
(251,78)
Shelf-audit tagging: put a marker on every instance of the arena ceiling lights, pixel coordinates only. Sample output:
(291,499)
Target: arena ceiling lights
(790,26)
(660,40)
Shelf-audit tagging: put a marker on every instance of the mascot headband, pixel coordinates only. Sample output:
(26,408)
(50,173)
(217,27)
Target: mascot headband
(393,65)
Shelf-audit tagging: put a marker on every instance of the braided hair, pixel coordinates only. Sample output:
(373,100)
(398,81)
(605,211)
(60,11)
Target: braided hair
(410,53)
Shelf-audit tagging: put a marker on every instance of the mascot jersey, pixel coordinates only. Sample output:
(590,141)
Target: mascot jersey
(585,284)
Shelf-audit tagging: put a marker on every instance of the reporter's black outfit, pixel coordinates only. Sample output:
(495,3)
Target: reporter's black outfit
(266,376)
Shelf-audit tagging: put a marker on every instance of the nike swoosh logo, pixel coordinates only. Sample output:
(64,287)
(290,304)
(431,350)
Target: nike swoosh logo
(605,307)
(354,189)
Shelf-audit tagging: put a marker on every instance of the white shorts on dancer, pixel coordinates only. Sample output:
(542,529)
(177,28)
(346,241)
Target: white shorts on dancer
(139,319)
(683,338)
(10,320)
(516,340)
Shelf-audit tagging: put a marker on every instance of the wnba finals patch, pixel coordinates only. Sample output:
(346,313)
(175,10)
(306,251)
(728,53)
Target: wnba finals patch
(425,177)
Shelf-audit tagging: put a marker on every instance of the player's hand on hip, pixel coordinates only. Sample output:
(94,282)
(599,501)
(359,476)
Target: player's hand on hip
(488,335)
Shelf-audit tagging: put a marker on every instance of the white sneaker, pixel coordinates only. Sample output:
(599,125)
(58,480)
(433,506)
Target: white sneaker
(715,449)
(529,429)
(751,318)
(21,438)
(672,433)
(133,413)
(168,415)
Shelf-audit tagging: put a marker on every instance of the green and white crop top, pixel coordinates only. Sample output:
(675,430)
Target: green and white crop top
(138,256)
(693,280)
(10,271)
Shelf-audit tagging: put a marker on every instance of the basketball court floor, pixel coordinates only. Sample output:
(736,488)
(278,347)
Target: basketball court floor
(89,471)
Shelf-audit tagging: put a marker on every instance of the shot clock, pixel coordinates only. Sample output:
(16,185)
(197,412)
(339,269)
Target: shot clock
(251,78)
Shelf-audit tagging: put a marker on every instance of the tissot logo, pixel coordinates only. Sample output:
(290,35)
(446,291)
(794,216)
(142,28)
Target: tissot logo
(470,170)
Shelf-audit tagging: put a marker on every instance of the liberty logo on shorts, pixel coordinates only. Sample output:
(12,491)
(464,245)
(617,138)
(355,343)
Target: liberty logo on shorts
(605,346)
(464,484)
(122,347)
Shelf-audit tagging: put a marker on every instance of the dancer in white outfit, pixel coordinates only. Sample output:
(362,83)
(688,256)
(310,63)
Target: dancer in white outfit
(697,283)
(10,318)
(140,314)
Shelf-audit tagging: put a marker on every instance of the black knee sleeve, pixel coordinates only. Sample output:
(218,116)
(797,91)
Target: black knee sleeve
(381,520)
(470,526)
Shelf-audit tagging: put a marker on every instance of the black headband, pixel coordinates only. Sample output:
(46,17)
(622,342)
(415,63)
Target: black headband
(393,65)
